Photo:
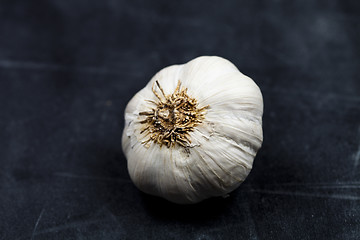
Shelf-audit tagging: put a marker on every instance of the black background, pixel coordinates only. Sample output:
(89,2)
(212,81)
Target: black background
(68,68)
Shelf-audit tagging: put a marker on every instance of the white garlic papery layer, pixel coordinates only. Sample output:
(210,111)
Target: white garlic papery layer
(193,132)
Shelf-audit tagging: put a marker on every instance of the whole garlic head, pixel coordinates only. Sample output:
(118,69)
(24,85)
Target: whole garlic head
(193,132)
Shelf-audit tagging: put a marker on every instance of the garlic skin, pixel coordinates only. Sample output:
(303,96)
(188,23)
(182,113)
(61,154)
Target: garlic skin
(221,146)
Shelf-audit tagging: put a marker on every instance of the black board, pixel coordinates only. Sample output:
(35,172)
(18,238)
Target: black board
(68,68)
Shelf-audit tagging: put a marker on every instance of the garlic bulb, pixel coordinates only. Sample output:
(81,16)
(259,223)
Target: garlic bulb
(193,131)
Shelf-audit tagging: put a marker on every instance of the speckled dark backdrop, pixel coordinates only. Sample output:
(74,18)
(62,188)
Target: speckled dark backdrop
(68,68)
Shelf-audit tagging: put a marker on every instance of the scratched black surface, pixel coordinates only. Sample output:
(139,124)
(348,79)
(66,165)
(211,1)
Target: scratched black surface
(68,68)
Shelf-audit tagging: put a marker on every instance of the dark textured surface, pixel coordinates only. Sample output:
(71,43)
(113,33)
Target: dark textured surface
(68,68)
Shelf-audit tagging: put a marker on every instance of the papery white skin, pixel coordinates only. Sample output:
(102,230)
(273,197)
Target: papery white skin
(222,147)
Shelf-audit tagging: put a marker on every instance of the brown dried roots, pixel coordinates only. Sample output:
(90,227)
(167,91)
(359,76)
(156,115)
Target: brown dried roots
(172,118)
